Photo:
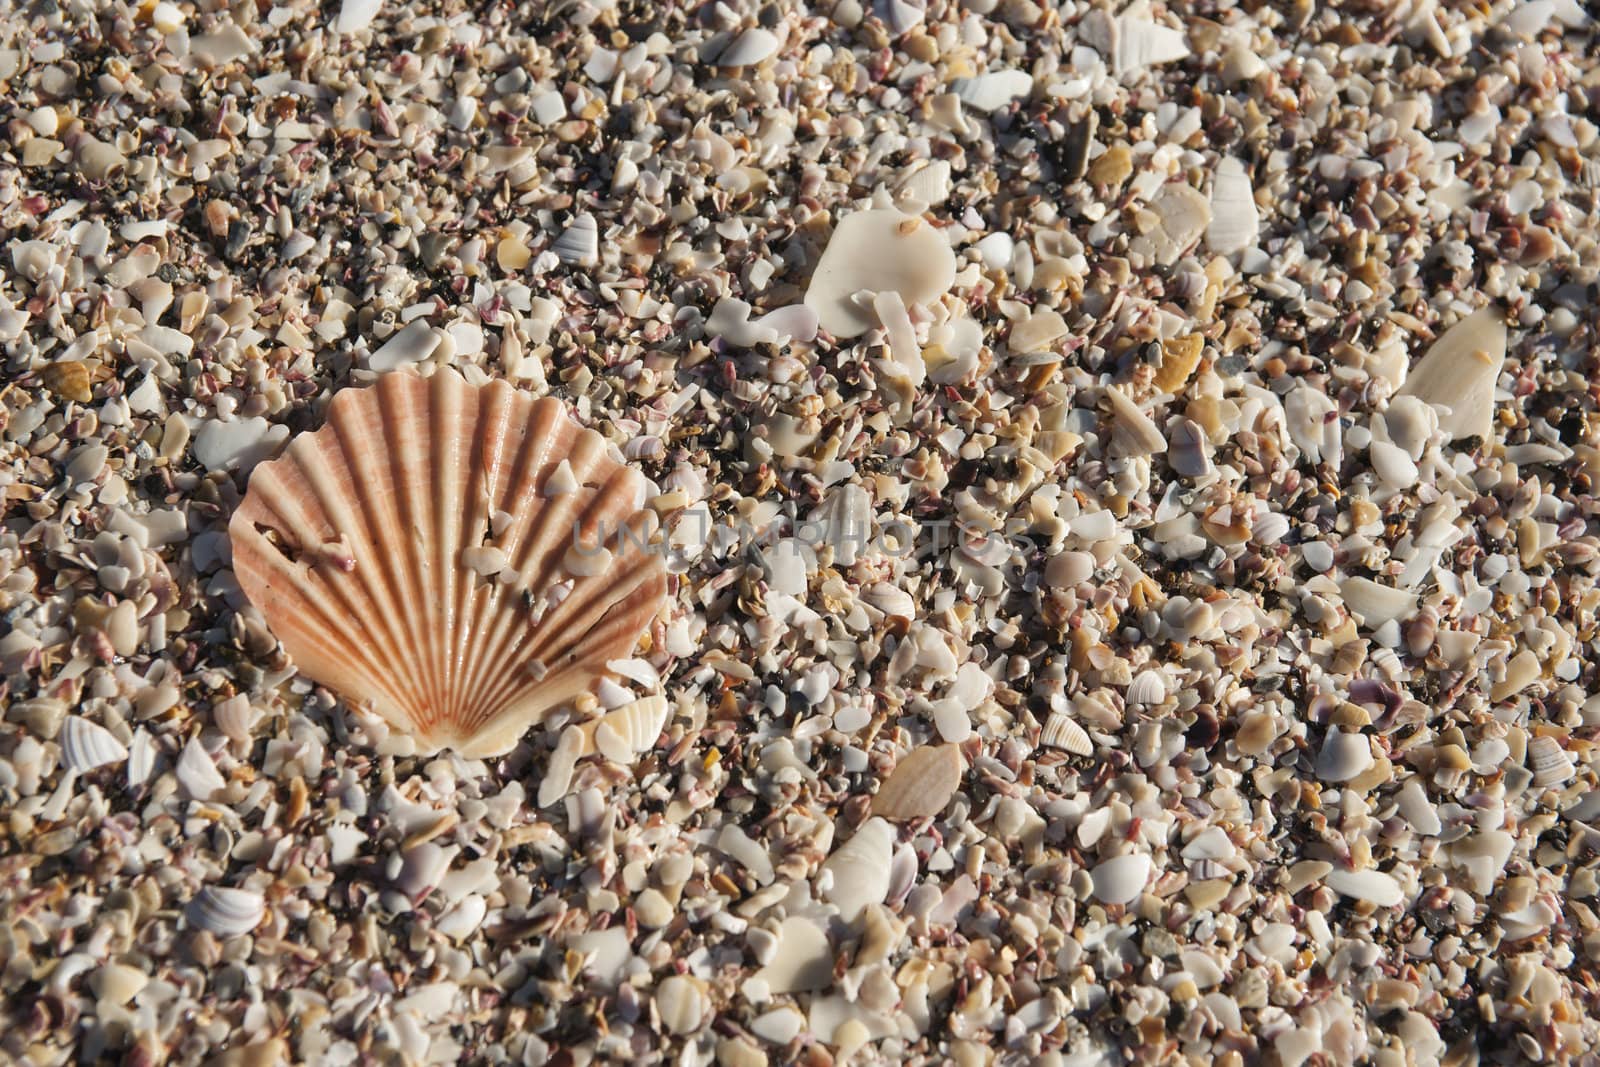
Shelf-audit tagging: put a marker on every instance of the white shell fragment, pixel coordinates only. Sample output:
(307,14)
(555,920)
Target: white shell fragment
(1375,887)
(1459,372)
(1121,879)
(1063,732)
(226,912)
(877,250)
(992,91)
(802,959)
(357,15)
(632,729)
(86,745)
(197,772)
(859,869)
(1373,604)
(1235,222)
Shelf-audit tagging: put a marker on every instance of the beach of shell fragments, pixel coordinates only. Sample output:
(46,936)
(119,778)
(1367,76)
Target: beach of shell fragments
(1127,475)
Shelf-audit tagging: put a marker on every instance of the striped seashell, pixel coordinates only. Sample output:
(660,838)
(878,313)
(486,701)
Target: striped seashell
(365,547)
(1550,763)
(1148,687)
(86,745)
(579,243)
(1062,731)
(226,912)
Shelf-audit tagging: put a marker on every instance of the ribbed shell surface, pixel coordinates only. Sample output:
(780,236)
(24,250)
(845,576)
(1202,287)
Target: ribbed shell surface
(354,545)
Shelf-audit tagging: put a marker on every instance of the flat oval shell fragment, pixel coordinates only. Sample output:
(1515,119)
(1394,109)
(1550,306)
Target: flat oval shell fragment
(353,544)
(921,784)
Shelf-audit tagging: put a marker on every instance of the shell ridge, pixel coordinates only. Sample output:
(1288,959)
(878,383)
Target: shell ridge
(492,427)
(539,555)
(403,477)
(355,588)
(356,426)
(544,434)
(449,425)
(402,429)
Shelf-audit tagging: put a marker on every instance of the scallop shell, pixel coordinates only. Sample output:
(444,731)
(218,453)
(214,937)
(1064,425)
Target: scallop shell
(226,912)
(355,546)
(86,745)
(1063,732)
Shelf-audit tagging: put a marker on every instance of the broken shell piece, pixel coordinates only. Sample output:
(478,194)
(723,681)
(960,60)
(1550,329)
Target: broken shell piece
(1372,886)
(860,869)
(681,1002)
(921,784)
(1373,604)
(1235,222)
(630,730)
(1132,432)
(1141,43)
(1121,879)
(226,912)
(1180,214)
(1344,756)
(802,961)
(877,250)
(197,772)
(1148,687)
(407,474)
(1549,762)
(994,90)
(1459,373)
(86,745)
(749,48)
(234,717)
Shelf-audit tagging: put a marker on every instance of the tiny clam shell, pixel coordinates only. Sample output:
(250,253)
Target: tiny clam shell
(1147,687)
(86,745)
(226,912)
(921,784)
(1062,731)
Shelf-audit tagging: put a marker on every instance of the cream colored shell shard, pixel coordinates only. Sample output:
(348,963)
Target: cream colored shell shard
(1459,373)
(354,546)
(877,250)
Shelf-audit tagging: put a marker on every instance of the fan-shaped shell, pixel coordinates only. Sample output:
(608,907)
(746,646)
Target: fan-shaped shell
(465,558)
